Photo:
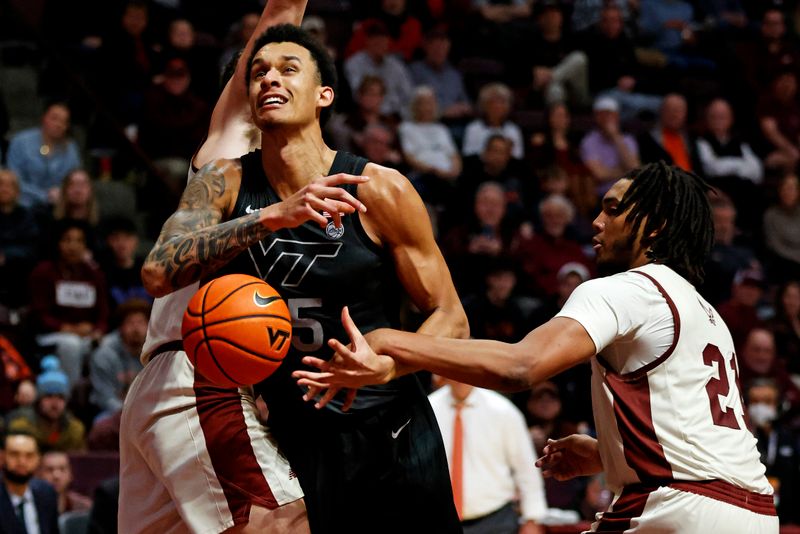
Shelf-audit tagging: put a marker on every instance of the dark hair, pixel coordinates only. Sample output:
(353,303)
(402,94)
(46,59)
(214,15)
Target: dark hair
(289,33)
(673,205)
(131,306)
(229,69)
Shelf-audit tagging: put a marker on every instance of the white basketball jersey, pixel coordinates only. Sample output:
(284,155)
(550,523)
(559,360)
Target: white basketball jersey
(674,413)
(166,315)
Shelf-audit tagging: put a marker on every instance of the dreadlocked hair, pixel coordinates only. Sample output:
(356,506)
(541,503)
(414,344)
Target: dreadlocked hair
(673,205)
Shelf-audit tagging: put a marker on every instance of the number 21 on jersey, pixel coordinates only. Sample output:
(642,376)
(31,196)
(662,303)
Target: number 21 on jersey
(722,390)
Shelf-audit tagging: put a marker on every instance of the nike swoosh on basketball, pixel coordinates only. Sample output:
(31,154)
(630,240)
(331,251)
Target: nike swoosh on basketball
(249,209)
(264,301)
(396,433)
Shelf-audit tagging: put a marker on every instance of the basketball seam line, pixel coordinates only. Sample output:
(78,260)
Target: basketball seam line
(205,334)
(244,349)
(226,297)
(221,321)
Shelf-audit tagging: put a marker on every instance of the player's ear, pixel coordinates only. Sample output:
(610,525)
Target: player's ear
(325,96)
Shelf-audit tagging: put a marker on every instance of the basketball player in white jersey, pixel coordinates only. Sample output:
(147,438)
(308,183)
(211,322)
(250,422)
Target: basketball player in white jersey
(672,437)
(195,458)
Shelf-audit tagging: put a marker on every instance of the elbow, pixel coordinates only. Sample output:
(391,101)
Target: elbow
(154,280)
(461,326)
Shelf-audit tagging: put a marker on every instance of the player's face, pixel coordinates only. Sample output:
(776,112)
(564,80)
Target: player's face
(285,86)
(616,248)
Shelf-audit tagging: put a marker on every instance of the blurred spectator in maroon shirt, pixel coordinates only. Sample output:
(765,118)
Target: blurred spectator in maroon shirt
(740,312)
(542,253)
(758,359)
(782,231)
(779,119)
(772,51)
(69,302)
(405,30)
(174,122)
(56,469)
(785,324)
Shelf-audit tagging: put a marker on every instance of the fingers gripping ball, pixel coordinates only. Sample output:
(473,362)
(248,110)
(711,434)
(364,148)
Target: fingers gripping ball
(236,330)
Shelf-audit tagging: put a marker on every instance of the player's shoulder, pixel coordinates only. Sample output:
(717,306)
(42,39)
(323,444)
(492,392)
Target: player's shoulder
(385,185)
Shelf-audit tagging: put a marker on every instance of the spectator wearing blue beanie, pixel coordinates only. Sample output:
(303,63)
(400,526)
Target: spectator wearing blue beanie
(54,427)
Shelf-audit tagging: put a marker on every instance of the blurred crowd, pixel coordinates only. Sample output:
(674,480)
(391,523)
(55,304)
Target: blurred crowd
(510,117)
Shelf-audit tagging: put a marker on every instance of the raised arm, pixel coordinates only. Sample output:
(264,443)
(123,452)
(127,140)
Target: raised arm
(195,243)
(230,129)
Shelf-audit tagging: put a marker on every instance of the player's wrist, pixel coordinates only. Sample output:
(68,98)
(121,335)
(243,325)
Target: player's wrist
(270,217)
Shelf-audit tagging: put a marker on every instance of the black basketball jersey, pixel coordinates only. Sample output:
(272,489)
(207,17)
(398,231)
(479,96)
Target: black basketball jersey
(318,271)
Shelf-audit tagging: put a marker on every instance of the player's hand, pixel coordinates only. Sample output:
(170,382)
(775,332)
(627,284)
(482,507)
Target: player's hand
(351,367)
(308,203)
(569,457)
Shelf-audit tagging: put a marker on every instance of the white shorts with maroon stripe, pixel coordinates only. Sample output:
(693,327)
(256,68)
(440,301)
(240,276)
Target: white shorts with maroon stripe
(193,457)
(711,507)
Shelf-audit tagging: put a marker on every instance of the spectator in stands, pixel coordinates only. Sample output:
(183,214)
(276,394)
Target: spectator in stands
(498,311)
(729,254)
(785,324)
(76,199)
(741,311)
(728,161)
(19,232)
(556,150)
(104,434)
(120,262)
(544,416)
(25,500)
(494,106)
(55,468)
(670,140)
(495,484)
(542,254)
(16,388)
(596,498)
(497,28)
(405,30)
(434,160)
(668,26)
(779,119)
(559,71)
(115,362)
(377,60)
(174,122)
(435,70)
(238,35)
(481,238)
(778,445)
(757,359)
(495,164)
(201,59)
(345,129)
(53,426)
(42,156)
(129,53)
(606,150)
(588,13)
(69,300)
(782,230)
(772,52)
(613,67)
(378,143)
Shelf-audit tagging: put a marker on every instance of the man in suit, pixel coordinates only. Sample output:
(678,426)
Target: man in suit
(27,505)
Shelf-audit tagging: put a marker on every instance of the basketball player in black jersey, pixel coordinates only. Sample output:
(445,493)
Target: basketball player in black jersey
(379,466)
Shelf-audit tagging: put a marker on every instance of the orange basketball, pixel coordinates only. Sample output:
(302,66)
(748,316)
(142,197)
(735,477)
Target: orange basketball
(236,330)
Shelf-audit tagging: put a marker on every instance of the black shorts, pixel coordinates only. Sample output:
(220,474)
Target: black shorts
(385,472)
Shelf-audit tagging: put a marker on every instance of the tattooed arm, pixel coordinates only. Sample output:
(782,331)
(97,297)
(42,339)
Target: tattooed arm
(194,242)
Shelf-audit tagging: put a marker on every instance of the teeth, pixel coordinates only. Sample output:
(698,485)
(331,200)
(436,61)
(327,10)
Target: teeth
(273,100)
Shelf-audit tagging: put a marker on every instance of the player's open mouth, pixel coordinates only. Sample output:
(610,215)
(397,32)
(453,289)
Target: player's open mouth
(272,100)
(596,244)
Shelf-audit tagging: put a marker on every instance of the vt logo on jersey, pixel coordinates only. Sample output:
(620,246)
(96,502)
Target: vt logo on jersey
(277,337)
(331,231)
(287,262)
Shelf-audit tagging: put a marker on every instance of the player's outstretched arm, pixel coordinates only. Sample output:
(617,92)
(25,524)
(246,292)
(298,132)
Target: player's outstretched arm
(573,456)
(194,243)
(230,120)
(548,350)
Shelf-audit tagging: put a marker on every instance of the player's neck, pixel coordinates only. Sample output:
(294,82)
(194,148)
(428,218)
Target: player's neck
(293,161)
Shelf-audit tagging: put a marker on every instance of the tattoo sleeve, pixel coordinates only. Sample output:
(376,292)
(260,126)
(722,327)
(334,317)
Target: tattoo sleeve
(193,242)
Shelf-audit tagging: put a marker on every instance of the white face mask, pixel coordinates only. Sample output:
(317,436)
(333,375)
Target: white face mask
(761,413)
